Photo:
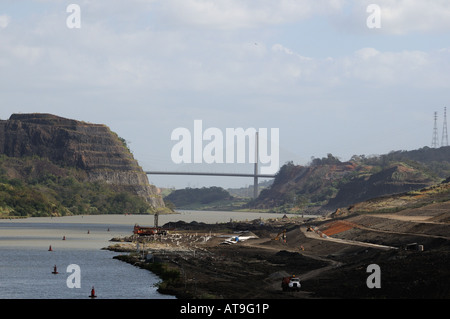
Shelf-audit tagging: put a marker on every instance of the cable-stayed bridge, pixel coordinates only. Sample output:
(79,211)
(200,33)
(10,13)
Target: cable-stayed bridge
(255,175)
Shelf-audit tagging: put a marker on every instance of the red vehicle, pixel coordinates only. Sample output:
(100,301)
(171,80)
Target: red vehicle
(147,231)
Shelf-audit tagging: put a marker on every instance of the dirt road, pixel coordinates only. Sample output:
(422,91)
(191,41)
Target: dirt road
(320,236)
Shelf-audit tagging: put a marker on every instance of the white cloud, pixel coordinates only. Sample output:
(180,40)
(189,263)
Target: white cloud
(367,67)
(413,68)
(400,17)
(238,14)
(279,47)
(403,16)
(4,21)
(397,16)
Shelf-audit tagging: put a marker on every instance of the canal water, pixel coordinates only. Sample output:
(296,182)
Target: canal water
(30,249)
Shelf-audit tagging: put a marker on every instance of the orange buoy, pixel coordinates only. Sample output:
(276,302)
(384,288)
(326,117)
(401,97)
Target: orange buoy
(92,293)
(55,271)
(50,248)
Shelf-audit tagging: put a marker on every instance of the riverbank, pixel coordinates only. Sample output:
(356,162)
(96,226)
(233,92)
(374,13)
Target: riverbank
(247,260)
(224,260)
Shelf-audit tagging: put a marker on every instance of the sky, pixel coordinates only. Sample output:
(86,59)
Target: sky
(334,76)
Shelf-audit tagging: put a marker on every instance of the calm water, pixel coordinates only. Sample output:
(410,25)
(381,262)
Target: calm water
(26,264)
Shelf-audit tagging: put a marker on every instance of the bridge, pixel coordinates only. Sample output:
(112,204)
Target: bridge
(255,174)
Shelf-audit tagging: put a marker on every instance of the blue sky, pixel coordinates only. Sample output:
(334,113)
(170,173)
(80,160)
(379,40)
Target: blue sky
(311,68)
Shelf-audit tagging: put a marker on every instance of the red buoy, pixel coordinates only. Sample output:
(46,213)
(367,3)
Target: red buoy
(54,270)
(50,248)
(92,293)
(64,238)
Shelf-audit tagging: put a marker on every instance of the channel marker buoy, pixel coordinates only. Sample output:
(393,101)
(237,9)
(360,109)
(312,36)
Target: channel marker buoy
(92,295)
(55,271)
(50,248)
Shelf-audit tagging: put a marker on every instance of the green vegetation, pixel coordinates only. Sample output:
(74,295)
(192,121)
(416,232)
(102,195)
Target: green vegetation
(199,198)
(328,180)
(170,276)
(434,161)
(41,188)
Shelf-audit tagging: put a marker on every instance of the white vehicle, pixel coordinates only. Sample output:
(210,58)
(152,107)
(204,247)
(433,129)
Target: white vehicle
(291,284)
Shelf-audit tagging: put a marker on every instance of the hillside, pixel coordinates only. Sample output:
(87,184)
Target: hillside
(69,167)
(326,184)
(395,179)
(415,225)
(204,195)
(416,199)
(247,192)
(205,198)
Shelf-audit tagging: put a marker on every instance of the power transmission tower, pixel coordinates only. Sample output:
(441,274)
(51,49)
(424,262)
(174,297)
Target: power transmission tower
(435,142)
(444,141)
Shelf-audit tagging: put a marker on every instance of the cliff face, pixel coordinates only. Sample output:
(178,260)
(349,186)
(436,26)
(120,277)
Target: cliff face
(93,148)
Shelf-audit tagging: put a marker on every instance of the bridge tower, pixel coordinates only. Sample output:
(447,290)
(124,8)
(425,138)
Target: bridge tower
(255,178)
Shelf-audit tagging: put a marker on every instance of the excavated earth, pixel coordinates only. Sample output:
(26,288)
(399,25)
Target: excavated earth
(330,256)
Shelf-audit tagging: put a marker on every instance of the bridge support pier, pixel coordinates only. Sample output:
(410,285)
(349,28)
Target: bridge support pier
(255,179)
(255,187)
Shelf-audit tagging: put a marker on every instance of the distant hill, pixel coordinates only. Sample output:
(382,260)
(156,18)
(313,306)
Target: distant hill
(326,184)
(247,192)
(211,198)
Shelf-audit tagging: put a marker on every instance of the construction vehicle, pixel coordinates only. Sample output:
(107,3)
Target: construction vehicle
(146,231)
(277,237)
(290,283)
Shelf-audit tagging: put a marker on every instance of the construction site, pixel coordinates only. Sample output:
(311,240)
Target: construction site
(405,237)
(327,256)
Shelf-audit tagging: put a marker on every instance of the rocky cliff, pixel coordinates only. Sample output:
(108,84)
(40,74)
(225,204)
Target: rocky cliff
(91,148)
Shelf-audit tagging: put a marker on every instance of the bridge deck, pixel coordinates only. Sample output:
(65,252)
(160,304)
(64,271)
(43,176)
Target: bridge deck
(209,174)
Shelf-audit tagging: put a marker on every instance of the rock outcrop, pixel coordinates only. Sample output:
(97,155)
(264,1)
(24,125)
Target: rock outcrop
(324,187)
(393,180)
(93,148)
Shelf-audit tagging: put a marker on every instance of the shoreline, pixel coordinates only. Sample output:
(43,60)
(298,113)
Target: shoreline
(195,262)
(249,259)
